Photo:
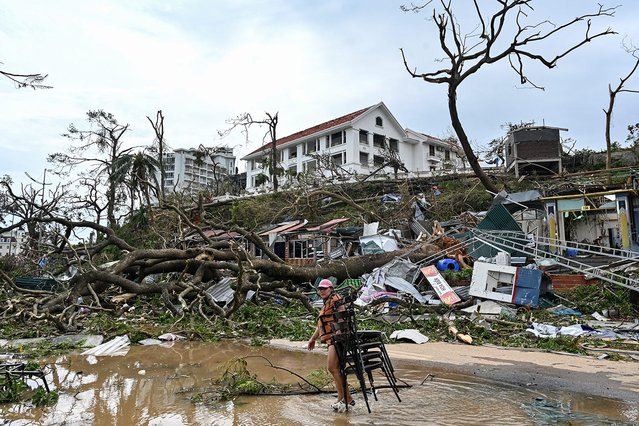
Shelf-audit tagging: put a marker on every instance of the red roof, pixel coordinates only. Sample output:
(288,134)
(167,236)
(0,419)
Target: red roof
(315,129)
(328,225)
(295,228)
(281,228)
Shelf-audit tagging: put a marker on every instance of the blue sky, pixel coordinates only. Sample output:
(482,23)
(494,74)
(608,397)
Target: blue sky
(202,62)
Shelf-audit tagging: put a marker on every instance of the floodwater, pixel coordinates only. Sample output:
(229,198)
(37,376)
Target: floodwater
(153,385)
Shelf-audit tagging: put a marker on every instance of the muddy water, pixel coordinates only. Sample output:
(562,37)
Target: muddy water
(152,385)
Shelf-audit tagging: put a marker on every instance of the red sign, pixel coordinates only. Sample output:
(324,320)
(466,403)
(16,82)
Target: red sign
(439,284)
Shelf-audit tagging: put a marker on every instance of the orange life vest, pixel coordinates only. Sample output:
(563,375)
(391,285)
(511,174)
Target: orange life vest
(326,317)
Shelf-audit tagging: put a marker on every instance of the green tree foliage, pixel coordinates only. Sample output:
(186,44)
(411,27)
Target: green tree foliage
(138,172)
(96,150)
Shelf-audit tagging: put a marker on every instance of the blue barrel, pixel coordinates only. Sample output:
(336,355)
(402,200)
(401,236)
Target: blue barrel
(448,264)
(571,252)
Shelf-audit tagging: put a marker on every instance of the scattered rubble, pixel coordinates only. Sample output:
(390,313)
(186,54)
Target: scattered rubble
(503,266)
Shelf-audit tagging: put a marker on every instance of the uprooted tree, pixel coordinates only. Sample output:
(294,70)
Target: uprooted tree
(497,35)
(173,259)
(176,259)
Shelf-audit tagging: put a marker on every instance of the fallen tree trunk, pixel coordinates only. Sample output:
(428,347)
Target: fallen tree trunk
(188,274)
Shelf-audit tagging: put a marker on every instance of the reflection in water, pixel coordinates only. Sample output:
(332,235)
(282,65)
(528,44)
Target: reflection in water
(153,386)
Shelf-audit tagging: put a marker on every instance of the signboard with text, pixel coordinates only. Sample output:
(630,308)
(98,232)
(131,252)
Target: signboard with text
(439,284)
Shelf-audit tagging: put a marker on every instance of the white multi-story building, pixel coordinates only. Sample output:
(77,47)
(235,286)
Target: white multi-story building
(12,242)
(357,142)
(193,170)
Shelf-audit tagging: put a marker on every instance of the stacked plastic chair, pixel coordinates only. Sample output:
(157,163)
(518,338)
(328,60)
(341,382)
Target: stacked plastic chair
(360,352)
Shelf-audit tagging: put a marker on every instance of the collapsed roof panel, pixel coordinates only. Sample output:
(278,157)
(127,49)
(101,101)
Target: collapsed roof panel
(222,292)
(497,219)
(519,200)
(404,286)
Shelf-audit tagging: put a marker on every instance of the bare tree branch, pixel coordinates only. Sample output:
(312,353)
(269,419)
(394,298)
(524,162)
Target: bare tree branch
(612,96)
(506,36)
(33,81)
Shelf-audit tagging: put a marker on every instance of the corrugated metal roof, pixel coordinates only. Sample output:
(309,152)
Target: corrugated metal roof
(462,292)
(280,228)
(418,228)
(328,224)
(497,219)
(222,292)
(295,227)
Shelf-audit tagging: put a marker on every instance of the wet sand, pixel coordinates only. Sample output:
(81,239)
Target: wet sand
(528,368)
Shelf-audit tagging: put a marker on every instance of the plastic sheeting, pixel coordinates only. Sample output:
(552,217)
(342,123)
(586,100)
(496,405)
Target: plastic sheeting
(547,330)
(409,334)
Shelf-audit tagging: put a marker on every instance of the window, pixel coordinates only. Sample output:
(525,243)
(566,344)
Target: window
(310,166)
(292,152)
(431,150)
(440,149)
(300,249)
(292,170)
(363,137)
(378,161)
(363,158)
(337,139)
(379,122)
(447,155)
(393,145)
(379,141)
(310,147)
(339,159)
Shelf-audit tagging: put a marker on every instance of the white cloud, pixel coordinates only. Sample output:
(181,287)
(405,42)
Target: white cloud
(204,62)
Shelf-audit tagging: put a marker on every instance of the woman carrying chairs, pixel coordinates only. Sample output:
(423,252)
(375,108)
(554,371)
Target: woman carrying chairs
(350,351)
(324,331)
(360,352)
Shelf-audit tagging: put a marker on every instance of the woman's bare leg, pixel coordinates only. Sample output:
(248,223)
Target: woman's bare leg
(333,368)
